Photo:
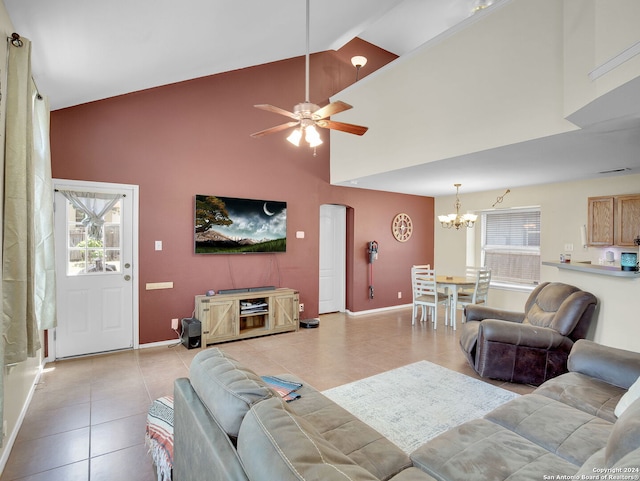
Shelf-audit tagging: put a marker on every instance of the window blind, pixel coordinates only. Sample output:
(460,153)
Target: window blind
(511,245)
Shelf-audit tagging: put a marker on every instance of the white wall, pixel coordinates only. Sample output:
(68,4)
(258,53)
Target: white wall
(19,379)
(595,32)
(563,212)
(515,72)
(495,80)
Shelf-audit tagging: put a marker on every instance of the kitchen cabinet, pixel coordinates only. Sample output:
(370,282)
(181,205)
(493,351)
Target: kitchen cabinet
(613,220)
(627,219)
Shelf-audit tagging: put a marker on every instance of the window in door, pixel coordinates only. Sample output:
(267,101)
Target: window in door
(94,236)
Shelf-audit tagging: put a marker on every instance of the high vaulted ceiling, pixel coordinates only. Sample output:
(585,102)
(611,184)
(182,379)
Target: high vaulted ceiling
(85,50)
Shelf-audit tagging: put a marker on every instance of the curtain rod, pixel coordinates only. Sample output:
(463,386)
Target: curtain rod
(16,41)
(67,190)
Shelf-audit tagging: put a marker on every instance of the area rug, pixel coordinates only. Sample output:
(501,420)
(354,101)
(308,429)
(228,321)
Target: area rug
(414,403)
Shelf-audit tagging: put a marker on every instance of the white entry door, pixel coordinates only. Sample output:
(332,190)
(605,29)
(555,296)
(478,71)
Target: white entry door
(94,236)
(333,226)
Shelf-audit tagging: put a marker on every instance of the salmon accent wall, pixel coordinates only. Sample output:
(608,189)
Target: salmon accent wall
(192,137)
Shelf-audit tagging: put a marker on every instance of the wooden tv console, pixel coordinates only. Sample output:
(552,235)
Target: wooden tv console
(226,317)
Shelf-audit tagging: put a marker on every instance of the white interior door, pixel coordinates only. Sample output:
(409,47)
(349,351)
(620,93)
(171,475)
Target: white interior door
(94,263)
(333,244)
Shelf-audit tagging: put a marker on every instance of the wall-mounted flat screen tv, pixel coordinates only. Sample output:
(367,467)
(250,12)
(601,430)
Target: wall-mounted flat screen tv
(227,225)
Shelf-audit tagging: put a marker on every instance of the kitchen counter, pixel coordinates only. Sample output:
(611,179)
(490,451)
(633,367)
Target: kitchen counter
(589,268)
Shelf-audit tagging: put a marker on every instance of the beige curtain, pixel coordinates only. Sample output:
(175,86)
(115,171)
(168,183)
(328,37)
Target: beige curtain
(45,278)
(28,254)
(28,260)
(20,331)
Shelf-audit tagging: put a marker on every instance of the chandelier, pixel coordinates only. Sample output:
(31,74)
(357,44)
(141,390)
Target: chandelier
(456,220)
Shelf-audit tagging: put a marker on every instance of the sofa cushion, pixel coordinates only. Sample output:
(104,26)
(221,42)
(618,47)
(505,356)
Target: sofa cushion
(363,444)
(561,429)
(585,393)
(481,450)
(628,398)
(618,367)
(276,441)
(625,436)
(226,388)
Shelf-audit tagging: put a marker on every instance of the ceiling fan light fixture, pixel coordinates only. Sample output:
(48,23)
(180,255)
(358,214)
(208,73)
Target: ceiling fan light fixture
(307,114)
(294,137)
(312,136)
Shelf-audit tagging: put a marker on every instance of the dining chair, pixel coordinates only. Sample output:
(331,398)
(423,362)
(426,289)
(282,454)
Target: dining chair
(426,295)
(417,271)
(480,292)
(472,271)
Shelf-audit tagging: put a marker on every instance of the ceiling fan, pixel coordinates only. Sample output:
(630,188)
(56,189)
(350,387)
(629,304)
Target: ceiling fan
(306,115)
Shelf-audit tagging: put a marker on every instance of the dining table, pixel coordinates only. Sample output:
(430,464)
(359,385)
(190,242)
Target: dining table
(454,283)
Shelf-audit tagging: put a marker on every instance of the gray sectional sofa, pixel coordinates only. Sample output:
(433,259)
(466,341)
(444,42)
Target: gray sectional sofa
(229,425)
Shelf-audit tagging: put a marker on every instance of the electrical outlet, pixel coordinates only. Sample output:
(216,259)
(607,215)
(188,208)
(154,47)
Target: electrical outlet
(568,247)
(301,307)
(174,324)
(399,295)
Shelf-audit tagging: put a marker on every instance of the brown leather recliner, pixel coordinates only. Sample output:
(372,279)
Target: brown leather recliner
(532,346)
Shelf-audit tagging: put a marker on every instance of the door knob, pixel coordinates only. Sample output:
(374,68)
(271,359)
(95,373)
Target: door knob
(127,277)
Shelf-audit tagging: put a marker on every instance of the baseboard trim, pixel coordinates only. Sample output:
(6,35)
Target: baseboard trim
(380,309)
(159,343)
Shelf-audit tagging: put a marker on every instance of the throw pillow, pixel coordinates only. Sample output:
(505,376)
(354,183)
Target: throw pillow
(627,399)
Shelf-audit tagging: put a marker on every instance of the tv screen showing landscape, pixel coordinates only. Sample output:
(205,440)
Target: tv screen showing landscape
(227,225)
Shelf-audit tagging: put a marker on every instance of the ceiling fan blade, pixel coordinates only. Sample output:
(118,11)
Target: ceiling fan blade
(275,129)
(331,109)
(276,110)
(349,128)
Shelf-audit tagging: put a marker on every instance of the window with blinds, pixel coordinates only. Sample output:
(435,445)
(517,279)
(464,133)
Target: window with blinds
(511,245)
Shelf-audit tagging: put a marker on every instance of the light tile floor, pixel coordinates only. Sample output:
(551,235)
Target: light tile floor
(87,418)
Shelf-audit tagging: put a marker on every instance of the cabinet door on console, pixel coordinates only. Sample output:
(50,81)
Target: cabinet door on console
(285,311)
(218,319)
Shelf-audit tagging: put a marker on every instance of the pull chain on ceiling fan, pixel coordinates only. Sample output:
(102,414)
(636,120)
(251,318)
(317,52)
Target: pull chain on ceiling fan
(307,115)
